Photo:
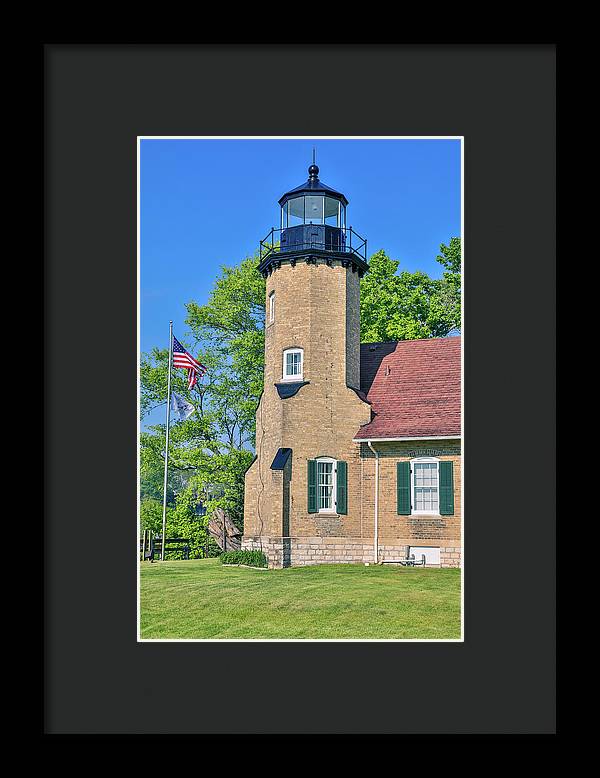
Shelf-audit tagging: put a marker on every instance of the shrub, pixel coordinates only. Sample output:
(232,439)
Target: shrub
(251,558)
(151,515)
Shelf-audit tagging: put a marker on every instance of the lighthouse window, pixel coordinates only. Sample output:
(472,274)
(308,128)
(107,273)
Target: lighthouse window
(313,206)
(271,307)
(332,208)
(312,209)
(326,483)
(295,211)
(292,364)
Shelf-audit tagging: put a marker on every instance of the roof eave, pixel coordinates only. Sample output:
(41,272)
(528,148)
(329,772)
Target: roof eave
(313,190)
(392,439)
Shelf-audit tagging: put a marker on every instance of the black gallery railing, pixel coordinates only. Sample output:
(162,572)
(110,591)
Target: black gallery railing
(342,240)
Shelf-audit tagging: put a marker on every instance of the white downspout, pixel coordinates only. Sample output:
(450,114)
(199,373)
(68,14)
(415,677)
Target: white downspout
(376,537)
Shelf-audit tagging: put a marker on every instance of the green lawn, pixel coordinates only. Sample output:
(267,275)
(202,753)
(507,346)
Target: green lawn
(202,599)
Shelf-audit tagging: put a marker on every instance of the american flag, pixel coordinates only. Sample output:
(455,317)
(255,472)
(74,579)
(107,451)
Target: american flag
(181,358)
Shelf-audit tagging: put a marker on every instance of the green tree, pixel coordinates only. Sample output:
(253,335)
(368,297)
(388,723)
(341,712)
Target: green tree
(405,306)
(186,522)
(210,451)
(151,515)
(231,327)
(447,301)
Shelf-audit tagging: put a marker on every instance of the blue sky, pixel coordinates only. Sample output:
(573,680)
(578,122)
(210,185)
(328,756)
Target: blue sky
(205,203)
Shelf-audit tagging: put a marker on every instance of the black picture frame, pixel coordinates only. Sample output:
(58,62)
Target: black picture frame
(98,678)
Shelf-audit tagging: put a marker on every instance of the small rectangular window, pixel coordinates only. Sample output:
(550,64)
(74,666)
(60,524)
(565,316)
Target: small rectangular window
(271,307)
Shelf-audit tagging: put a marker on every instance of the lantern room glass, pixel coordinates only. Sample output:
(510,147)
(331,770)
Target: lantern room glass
(295,212)
(313,209)
(331,211)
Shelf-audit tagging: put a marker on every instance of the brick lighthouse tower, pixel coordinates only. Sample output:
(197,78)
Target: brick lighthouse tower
(302,492)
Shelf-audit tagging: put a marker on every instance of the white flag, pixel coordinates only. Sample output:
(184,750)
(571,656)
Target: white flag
(181,406)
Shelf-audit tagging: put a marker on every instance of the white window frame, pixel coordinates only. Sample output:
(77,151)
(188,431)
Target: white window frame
(296,376)
(413,502)
(272,307)
(333,508)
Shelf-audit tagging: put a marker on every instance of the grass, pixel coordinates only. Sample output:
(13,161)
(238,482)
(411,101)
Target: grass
(202,599)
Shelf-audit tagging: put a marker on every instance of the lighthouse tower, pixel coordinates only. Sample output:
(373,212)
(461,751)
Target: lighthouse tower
(302,491)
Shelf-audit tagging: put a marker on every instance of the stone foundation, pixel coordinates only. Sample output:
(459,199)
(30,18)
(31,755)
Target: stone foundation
(299,552)
(450,556)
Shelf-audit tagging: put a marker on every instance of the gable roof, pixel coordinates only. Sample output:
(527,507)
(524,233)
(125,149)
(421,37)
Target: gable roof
(413,387)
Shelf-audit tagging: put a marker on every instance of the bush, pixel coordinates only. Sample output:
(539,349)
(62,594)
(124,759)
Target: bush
(151,515)
(251,558)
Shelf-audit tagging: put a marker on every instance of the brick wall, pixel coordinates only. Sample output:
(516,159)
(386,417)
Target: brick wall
(353,330)
(312,305)
(413,530)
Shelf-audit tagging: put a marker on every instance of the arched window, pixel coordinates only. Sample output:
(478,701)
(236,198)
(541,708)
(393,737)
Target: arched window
(425,485)
(293,364)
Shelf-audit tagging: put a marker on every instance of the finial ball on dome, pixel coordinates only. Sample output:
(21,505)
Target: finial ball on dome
(313,171)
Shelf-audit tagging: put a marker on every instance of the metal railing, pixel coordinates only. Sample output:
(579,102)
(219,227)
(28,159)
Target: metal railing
(344,240)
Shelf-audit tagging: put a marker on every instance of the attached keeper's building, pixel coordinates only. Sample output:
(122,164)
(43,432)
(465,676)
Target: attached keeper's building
(358,446)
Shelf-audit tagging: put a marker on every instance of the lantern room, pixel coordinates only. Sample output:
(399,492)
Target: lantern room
(313,215)
(313,224)
(313,203)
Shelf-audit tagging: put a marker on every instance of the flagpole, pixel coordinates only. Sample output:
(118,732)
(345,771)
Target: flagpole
(164,516)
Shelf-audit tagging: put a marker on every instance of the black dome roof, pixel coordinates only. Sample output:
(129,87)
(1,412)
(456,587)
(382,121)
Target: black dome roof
(313,185)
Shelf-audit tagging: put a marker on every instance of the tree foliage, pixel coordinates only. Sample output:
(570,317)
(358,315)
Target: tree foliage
(405,306)
(210,451)
(449,287)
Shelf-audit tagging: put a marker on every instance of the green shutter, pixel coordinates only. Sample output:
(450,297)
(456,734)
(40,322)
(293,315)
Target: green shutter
(446,488)
(342,488)
(403,488)
(312,485)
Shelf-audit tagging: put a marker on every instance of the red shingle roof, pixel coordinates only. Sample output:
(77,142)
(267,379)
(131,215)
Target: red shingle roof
(413,387)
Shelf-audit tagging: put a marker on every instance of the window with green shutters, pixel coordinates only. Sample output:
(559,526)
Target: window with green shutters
(425,486)
(446,478)
(327,486)
(342,488)
(403,488)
